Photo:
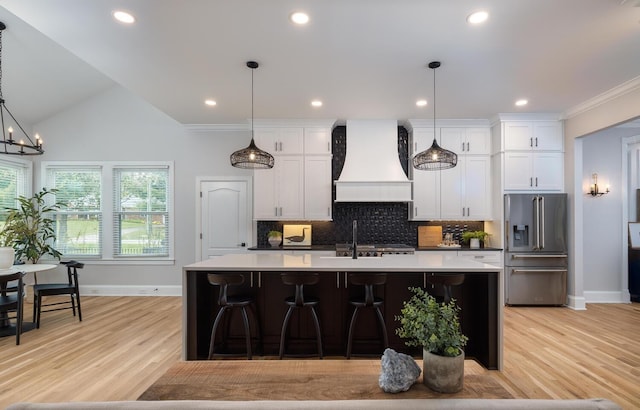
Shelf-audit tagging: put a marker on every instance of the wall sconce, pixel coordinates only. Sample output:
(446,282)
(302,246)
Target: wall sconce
(594,190)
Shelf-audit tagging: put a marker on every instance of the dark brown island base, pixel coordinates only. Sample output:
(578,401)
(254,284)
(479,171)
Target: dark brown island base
(479,296)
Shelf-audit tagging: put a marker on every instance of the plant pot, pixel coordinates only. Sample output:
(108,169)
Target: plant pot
(474,243)
(7,256)
(275,241)
(441,373)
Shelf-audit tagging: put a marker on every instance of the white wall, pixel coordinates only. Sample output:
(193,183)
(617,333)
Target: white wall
(117,125)
(602,242)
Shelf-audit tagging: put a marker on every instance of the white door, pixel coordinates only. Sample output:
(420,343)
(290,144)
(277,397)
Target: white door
(225,221)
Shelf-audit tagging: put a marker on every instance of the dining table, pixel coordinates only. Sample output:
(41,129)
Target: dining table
(6,327)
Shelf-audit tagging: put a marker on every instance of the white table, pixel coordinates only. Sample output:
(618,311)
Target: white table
(6,328)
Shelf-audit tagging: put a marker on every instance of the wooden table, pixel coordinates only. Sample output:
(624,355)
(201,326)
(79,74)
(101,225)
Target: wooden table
(302,380)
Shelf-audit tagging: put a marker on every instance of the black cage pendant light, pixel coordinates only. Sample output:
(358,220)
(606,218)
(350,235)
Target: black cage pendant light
(252,157)
(436,157)
(21,143)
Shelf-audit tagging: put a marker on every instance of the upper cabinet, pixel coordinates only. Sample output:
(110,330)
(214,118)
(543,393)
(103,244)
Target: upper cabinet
(317,141)
(298,187)
(532,150)
(533,136)
(466,141)
(280,141)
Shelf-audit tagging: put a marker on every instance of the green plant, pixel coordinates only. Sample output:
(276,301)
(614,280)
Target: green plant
(482,235)
(274,234)
(434,326)
(29,229)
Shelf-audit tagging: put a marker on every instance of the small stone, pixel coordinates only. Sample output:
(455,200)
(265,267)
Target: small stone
(399,372)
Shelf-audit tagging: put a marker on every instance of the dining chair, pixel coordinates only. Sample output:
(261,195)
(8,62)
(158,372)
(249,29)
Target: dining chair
(12,300)
(70,288)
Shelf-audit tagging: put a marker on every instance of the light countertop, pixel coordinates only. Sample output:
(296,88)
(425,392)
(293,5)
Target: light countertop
(419,262)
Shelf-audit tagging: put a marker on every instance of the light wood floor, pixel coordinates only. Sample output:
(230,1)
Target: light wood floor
(124,344)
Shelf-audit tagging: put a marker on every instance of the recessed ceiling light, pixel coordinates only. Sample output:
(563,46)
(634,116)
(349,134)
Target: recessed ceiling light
(478,17)
(521,103)
(299,17)
(421,103)
(210,102)
(316,103)
(124,17)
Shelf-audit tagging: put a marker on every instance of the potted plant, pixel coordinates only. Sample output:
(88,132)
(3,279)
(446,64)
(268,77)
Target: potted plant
(275,238)
(29,229)
(474,238)
(435,327)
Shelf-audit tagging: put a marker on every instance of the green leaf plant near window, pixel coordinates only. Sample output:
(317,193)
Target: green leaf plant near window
(29,228)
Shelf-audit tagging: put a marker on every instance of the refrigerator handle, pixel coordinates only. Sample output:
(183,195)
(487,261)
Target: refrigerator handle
(506,234)
(541,221)
(536,222)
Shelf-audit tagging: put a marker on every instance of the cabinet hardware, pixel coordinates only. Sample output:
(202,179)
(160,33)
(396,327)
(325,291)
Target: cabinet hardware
(467,147)
(531,142)
(536,141)
(251,279)
(537,270)
(259,279)
(536,181)
(463,147)
(337,280)
(530,181)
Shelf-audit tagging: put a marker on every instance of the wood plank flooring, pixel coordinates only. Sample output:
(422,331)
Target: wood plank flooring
(124,344)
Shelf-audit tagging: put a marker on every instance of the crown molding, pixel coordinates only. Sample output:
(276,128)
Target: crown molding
(605,97)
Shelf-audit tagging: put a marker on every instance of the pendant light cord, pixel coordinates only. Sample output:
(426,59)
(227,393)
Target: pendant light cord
(252,133)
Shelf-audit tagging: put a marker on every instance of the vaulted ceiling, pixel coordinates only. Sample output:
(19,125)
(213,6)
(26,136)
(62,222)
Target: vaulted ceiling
(361,58)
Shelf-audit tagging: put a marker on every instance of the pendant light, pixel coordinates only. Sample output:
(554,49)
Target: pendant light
(436,157)
(21,143)
(252,157)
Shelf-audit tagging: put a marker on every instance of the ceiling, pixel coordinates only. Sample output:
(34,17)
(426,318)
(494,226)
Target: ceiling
(362,58)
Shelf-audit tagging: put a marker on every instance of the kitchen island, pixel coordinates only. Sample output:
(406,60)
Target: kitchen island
(480,297)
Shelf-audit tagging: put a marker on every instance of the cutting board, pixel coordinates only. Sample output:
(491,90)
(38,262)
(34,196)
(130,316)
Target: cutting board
(429,236)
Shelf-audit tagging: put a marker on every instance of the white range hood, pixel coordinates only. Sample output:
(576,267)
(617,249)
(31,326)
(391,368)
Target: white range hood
(372,170)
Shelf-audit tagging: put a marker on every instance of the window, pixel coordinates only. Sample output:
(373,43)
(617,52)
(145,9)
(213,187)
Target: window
(15,181)
(113,210)
(141,217)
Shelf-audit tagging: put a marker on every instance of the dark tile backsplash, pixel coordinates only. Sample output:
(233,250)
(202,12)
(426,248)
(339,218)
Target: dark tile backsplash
(377,222)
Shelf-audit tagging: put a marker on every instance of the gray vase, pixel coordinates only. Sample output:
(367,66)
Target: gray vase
(443,374)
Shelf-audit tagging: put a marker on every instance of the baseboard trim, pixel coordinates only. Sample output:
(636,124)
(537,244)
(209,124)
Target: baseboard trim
(577,303)
(604,297)
(120,290)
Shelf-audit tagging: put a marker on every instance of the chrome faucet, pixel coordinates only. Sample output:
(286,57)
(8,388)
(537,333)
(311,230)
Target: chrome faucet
(354,246)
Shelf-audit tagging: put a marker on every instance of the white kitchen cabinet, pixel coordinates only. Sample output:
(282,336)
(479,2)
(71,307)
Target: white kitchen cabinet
(317,141)
(299,187)
(533,136)
(465,190)
(426,196)
(533,171)
(466,141)
(317,187)
(279,191)
(280,140)
(459,193)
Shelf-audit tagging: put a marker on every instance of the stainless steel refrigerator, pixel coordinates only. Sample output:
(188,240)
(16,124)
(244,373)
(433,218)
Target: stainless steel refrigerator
(536,249)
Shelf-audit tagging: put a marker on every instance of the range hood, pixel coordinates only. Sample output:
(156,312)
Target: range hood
(372,170)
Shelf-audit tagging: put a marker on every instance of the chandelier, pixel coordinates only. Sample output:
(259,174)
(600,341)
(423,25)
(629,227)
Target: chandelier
(252,156)
(20,144)
(436,157)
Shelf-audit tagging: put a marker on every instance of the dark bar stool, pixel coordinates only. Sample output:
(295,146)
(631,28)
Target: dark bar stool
(368,280)
(445,284)
(299,279)
(227,303)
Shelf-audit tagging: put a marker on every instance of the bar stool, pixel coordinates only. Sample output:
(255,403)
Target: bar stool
(227,303)
(298,301)
(445,283)
(368,300)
